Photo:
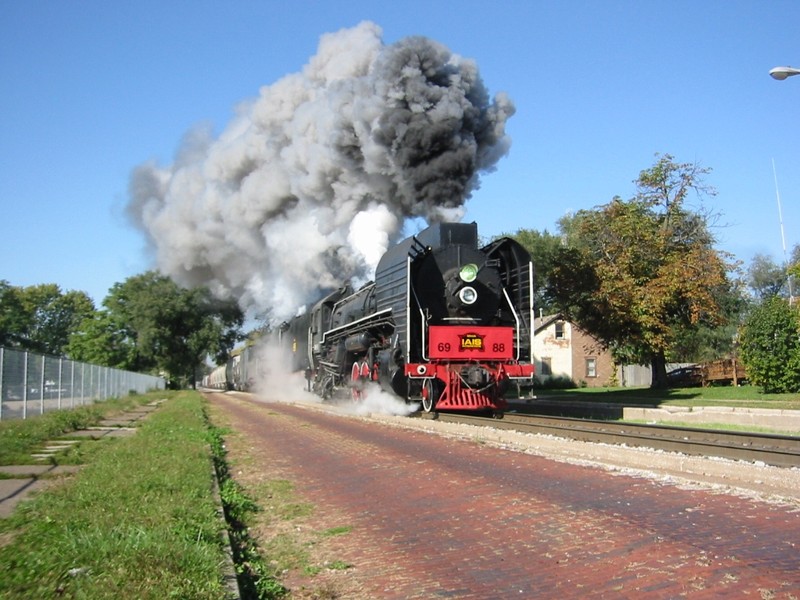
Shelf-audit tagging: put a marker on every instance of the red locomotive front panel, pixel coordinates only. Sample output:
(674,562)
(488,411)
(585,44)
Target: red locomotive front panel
(466,342)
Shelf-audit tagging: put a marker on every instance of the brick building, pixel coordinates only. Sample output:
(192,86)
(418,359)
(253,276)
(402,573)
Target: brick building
(562,349)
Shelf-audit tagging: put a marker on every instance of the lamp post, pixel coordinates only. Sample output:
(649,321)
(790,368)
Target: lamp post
(781,73)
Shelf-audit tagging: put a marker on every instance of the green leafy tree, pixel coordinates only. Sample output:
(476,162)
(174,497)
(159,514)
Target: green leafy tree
(152,324)
(40,317)
(56,316)
(709,342)
(13,317)
(544,248)
(794,271)
(103,340)
(766,278)
(770,346)
(638,273)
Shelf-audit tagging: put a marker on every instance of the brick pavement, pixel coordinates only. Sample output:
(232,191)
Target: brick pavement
(434,517)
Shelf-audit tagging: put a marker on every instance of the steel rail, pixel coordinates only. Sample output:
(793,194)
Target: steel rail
(770,449)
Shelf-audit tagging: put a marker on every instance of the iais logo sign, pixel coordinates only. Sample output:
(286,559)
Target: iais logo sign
(471,341)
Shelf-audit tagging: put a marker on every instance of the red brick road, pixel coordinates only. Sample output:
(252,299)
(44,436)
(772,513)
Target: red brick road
(441,518)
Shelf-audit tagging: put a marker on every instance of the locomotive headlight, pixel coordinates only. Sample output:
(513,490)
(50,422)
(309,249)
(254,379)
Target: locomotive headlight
(468,295)
(468,274)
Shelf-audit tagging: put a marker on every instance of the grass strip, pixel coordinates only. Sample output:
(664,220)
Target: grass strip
(256,579)
(20,437)
(139,521)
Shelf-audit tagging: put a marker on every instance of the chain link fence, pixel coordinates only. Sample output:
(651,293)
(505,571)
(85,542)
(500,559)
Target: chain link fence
(32,384)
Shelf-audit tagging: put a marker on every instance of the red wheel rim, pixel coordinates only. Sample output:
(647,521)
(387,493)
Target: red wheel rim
(355,382)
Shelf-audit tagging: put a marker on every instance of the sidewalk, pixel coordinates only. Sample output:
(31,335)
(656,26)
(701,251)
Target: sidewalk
(23,480)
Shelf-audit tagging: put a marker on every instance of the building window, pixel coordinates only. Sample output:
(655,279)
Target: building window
(591,367)
(547,368)
(560,330)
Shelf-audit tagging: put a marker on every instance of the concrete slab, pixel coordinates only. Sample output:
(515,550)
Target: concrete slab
(21,471)
(27,479)
(118,422)
(96,433)
(13,491)
(780,420)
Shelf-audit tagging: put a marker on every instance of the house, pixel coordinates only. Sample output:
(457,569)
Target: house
(562,349)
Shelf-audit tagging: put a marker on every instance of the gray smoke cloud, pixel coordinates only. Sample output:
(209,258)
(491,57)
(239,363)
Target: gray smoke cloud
(309,184)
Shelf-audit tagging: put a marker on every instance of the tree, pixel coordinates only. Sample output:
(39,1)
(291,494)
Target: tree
(40,317)
(56,316)
(765,277)
(151,324)
(709,342)
(543,247)
(770,346)
(637,273)
(13,318)
(103,340)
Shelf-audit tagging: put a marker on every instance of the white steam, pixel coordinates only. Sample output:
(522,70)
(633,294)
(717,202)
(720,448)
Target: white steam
(273,380)
(273,377)
(310,183)
(375,400)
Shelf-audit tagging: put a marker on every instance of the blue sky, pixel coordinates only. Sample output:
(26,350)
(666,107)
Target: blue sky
(92,89)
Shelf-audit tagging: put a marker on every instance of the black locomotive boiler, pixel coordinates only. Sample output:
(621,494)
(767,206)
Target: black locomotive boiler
(445,323)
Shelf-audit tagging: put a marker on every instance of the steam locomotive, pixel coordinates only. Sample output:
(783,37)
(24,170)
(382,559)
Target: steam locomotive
(445,323)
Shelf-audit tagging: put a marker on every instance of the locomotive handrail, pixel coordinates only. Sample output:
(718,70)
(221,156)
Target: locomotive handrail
(531,318)
(363,320)
(516,319)
(363,291)
(409,290)
(424,349)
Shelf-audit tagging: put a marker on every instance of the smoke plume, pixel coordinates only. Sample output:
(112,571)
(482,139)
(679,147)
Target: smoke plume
(311,181)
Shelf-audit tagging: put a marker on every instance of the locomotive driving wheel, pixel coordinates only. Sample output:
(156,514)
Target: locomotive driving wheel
(430,394)
(359,375)
(326,389)
(355,382)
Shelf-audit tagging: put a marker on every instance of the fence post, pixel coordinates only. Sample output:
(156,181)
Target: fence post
(60,367)
(72,384)
(83,383)
(25,386)
(41,387)
(2,370)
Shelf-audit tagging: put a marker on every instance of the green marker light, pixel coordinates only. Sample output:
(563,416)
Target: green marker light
(468,273)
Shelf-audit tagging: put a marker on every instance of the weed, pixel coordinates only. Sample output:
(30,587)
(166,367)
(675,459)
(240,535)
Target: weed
(334,531)
(256,579)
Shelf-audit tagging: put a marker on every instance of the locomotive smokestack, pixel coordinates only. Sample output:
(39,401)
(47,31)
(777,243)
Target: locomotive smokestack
(311,182)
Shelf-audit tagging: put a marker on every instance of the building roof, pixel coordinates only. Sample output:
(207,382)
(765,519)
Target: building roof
(543,322)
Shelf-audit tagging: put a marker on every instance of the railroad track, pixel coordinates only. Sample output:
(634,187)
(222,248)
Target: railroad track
(776,450)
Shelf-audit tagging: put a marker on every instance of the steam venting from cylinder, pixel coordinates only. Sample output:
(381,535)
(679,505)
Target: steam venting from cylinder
(312,180)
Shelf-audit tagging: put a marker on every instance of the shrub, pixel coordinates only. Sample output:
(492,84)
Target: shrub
(770,346)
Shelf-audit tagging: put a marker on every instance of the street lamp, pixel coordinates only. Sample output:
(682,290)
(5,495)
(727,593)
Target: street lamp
(781,73)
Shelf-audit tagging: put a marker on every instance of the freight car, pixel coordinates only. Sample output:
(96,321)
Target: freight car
(445,323)
(238,373)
